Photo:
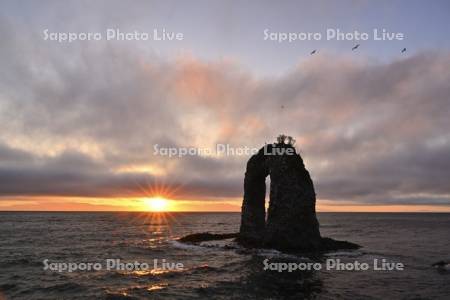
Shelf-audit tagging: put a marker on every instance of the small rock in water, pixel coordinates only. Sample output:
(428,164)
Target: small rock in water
(206,236)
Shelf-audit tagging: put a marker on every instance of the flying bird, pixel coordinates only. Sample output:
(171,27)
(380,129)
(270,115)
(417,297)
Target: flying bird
(403,50)
(313,52)
(355,47)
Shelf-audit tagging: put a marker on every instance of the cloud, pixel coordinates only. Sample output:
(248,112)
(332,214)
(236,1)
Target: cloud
(73,115)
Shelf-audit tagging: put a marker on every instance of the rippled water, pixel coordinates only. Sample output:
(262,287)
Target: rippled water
(216,270)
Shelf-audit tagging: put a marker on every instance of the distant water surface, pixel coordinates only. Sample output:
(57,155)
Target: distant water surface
(215,270)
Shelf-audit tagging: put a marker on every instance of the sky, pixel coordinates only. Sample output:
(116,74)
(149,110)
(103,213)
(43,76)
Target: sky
(80,121)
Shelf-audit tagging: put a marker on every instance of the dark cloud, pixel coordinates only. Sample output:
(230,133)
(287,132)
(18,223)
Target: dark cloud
(75,174)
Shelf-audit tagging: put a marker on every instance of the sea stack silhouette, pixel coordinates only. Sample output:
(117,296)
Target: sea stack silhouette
(291,223)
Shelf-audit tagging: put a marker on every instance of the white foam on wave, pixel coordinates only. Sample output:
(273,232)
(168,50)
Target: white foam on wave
(442,266)
(272,253)
(446,267)
(184,246)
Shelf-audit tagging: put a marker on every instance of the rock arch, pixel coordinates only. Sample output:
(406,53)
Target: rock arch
(291,218)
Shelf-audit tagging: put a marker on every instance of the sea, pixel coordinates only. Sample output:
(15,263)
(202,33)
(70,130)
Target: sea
(38,248)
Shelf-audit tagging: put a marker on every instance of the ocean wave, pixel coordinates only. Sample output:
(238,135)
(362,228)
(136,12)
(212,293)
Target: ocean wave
(159,274)
(344,253)
(119,296)
(330,226)
(442,265)
(184,246)
(272,253)
(7,286)
(63,287)
(19,262)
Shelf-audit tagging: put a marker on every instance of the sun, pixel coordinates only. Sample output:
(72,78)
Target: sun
(156,204)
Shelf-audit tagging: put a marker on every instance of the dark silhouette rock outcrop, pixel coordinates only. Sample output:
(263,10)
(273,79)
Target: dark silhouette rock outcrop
(206,236)
(291,219)
(291,224)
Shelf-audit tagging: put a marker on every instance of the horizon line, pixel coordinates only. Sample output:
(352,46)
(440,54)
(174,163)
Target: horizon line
(199,211)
